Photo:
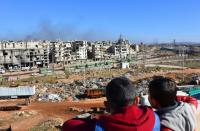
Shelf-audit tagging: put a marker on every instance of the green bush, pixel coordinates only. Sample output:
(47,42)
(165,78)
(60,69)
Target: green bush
(86,66)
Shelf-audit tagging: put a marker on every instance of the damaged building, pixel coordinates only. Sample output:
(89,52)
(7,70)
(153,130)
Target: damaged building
(122,49)
(100,50)
(61,52)
(67,52)
(18,54)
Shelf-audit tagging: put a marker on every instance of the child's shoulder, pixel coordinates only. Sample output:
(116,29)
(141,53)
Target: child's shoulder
(173,117)
(188,107)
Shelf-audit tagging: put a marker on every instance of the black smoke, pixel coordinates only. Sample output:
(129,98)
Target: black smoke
(46,30)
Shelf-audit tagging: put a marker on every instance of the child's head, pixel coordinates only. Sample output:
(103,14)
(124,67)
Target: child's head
(120,92)
(162,92)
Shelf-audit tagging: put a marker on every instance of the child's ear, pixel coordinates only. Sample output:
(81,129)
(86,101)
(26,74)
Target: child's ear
(107,105)
(136,100)
(154,103)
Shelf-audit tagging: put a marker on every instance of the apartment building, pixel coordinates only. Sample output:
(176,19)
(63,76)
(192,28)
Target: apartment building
(63,52)
(41,53)
(68,51)
(100,50)
(97,51)
(121,49)
(24,53)
(79,49)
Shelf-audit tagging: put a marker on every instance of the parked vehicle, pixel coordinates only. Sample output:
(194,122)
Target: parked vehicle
(14,68)
(25,68)
(94,93)
(2,70)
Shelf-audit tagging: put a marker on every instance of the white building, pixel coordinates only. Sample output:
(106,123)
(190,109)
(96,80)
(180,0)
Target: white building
(80,49)
(97,51)
(121,49)
(137,49)
(124,65)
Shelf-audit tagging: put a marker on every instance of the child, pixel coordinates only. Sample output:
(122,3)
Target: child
(176,112)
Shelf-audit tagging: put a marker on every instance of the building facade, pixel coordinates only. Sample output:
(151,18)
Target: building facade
(121,49)
(79,49)
(41,53)
(24,53)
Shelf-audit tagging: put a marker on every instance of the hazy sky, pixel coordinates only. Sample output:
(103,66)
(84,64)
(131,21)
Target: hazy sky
(138,20)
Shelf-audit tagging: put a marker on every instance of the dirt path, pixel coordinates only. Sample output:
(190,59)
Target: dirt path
(27,123)
(61,109)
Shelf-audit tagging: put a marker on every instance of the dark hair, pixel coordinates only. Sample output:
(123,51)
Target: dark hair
(163,90)
(120,92)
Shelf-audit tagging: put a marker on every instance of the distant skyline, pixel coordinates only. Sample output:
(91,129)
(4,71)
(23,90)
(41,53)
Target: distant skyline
(136,20)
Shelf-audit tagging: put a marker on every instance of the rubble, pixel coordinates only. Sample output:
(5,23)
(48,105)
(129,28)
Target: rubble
(57,92)
(50,97)
(60,91)
(25,113)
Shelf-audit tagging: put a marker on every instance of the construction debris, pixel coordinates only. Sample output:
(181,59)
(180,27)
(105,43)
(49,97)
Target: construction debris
(57,92)
(25,113)
(60,91)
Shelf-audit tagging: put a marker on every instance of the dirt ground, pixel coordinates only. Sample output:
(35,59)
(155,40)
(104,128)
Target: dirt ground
(44,111)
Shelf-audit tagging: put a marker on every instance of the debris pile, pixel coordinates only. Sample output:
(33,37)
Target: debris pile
(25,113)
(60,91)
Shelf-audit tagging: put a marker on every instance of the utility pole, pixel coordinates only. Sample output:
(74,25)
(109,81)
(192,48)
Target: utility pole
(64,62)
(183,64)
(84,74)
(144,55)
(52,55)
(64,53)
(20,59)
(129,53)
(174,43)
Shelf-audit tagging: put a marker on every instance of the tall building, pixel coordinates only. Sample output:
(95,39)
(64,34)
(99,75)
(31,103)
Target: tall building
(97,51)
(62,51)
(80,49)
